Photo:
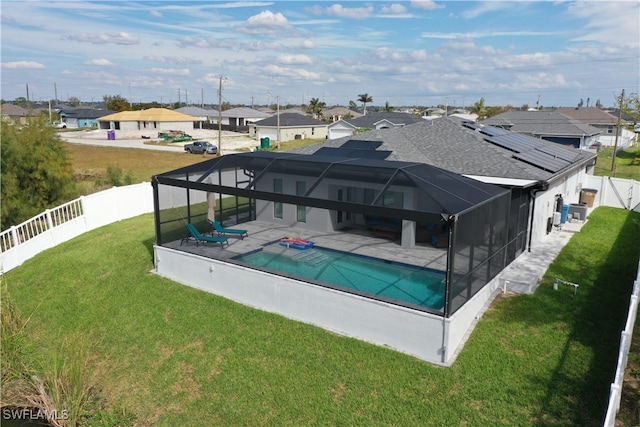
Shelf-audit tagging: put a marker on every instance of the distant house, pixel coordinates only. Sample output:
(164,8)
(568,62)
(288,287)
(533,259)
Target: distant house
(14,113)
(338,113)
(548,125)
(290,125)
(201,116)
(82,117)
(604,121)
(150,119)
(237,119)
(346,127)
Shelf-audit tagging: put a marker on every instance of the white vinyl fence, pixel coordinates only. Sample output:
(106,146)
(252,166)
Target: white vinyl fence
(57,225)
(625,344)
(615,192)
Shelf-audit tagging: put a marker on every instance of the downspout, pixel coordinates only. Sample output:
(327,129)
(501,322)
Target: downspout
(156,216)
(542,186)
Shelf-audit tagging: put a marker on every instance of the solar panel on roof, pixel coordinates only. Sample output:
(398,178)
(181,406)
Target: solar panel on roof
(362,145)
(510,143)
(352,153)
(559,152)
(542,160)
(491,131)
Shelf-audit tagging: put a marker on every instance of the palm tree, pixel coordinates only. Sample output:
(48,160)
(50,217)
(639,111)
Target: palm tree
(316,106)
(364,98)
(478,108)
(388,108)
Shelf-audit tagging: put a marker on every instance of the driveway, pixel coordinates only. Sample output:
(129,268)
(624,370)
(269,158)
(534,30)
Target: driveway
(231,141)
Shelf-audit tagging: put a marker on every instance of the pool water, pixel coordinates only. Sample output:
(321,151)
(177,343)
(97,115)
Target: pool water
(365,275)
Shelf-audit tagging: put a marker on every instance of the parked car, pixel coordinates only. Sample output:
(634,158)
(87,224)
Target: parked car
(199,147)
(60,125)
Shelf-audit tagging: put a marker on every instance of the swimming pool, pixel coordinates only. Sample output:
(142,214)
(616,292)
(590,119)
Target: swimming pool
(386,280)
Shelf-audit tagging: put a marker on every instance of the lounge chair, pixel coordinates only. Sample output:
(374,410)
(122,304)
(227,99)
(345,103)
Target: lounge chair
(218,228)
(201,238)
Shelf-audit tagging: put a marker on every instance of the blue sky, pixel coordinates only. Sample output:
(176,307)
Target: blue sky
(402,52)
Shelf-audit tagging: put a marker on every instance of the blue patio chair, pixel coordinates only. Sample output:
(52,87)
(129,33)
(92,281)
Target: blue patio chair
(201,238)
(218,228)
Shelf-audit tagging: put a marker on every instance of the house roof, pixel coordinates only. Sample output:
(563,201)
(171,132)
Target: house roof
(455,145)
(13,110)
(290,120)
(245,113)
(541,123)
(590,115)
(149,115)
(342,111)
(197,111)
(370,119)
(85,113)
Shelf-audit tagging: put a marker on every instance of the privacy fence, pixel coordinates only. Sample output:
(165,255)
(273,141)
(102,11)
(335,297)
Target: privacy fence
(623,354)
(57,225)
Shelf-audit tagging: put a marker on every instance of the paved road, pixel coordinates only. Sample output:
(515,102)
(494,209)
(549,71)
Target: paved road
(230,141)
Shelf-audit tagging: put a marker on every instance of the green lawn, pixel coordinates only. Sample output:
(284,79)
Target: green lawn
(171,355)
(627,163)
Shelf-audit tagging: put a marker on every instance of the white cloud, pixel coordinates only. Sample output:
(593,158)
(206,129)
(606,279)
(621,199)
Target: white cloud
(344,12)
(22,65)
(119,38)
(486,7)
(609,22)
(394,9)
(189,41)
(307,44)
(103,62)
(266,23)
(156,13)
(294,59)
(178,60)
(426,4)
(296,73)
(171,71)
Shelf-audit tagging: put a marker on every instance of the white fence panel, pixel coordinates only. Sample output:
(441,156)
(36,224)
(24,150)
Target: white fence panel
(70,220)
(623,354)
(615,192)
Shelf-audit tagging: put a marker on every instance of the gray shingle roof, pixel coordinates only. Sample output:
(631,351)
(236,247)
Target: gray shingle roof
(370,119)
(541,123)
(447,144)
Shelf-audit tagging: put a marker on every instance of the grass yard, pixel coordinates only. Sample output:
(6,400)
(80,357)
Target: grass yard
(166,354)
(627,163)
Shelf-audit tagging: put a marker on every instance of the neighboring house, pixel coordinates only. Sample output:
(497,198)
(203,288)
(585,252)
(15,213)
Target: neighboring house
(82,117)
(151,119)
(14,114)
(549,125)
(604,121)
(200,116)
(241,117)
(290,125)
(460,199)
(335,114)
(346,127)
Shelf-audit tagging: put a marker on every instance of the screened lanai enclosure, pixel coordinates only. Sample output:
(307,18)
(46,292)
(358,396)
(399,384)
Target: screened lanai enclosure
(451,234)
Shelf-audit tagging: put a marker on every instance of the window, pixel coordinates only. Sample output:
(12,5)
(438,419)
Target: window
(277,206)
(301,211)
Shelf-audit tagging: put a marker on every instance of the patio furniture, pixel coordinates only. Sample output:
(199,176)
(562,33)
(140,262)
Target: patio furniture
(200,238)
(218,228)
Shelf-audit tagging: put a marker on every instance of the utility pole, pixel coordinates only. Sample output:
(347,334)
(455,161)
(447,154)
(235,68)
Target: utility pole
(615,148)
(55,89)
(278,120)
(220,115)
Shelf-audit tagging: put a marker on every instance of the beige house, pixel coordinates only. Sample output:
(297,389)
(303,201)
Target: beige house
(150,119)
